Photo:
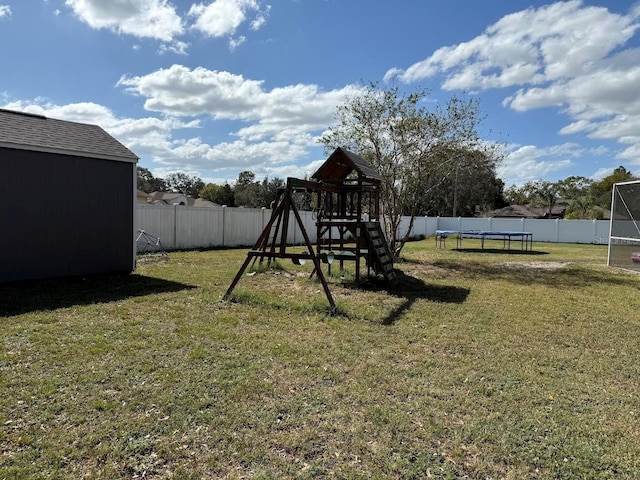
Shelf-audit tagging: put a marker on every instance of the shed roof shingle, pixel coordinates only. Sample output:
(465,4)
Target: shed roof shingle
(36,132)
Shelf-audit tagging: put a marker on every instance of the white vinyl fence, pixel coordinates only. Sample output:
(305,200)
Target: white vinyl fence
(555,231)
(181,227)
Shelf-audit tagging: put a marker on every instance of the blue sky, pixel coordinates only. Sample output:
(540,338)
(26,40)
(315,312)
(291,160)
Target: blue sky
(216,87)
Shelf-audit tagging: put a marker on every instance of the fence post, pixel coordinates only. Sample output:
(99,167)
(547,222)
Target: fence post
(295,228)
(175,226)
(263,209)
(557,231)
(224,215)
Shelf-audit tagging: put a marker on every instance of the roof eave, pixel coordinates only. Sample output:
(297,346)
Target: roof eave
(59,151)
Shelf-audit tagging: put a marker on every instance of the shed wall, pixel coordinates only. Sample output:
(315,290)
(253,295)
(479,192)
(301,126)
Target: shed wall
(64,215)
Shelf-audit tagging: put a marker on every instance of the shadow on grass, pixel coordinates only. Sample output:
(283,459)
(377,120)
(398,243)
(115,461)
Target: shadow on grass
(411,289)
(405,287)
(36,295)
(501,251)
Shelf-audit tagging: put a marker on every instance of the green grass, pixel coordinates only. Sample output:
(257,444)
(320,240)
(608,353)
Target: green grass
(478,364)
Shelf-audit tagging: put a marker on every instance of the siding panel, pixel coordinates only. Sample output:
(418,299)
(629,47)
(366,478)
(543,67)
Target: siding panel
(64,215)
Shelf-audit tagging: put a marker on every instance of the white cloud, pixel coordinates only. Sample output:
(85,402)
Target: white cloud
(179,90)
(280,125)
(5,11)
(158,19)
(631,154)
(145,136)
(236,42)
(84,112)
(532,46)
(222,17)
(140,18)
(182,91)
(178,47)
(601,173)
(566,55)
(237,155)
(261,18)
(528,163)
(609,89)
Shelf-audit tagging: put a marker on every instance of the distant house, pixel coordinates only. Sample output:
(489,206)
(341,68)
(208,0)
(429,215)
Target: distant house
(527,211)
(168,198)
(80,233)
(201,202)
(173,198)
(143,197)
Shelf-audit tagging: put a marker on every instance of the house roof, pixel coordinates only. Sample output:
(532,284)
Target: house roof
(341,163)
(515,211)
(27,131)
(201,202)
(526,211)
(170,198)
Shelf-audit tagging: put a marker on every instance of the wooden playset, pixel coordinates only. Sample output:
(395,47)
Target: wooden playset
(347,217)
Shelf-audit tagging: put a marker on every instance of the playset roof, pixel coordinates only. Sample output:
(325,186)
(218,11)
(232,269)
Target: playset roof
(342,163)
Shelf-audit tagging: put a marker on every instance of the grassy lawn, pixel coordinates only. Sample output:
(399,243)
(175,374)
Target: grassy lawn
(478,364)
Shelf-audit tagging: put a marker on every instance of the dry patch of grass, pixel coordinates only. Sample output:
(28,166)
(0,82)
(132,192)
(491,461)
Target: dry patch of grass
(535,265)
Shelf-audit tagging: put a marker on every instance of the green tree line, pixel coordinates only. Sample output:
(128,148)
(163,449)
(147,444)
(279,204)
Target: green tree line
(246,192)
(584,198)
(475,190)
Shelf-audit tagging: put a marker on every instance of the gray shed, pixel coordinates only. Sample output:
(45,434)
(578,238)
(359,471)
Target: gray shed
(67,199)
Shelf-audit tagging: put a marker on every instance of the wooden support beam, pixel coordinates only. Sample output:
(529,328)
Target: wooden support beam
(263,249)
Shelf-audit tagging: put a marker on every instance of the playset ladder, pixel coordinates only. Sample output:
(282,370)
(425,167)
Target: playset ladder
(379,250)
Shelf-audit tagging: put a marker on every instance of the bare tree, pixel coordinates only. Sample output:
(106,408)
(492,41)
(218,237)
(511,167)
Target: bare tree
(185,184)
(220,194)
(148,183)
(543,194)
(413,148)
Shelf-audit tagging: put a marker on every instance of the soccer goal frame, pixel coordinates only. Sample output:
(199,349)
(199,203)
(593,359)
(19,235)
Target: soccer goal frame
(624,228)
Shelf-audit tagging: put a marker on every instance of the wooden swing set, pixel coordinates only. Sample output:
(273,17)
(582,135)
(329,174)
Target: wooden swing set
(347,214)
